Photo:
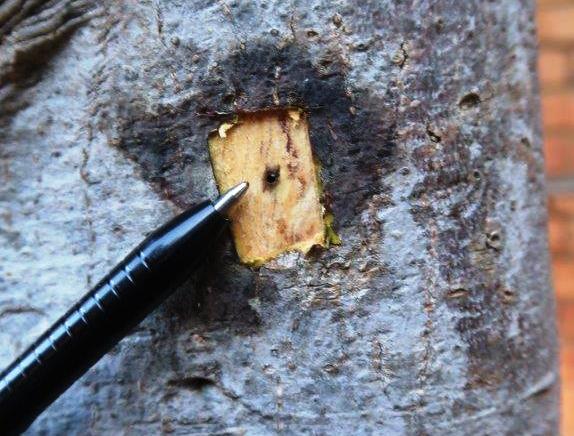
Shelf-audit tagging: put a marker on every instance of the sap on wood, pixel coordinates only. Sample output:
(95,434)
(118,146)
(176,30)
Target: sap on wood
(281,210)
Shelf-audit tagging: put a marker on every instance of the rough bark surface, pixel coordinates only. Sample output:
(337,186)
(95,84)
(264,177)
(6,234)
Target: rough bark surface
(434,316)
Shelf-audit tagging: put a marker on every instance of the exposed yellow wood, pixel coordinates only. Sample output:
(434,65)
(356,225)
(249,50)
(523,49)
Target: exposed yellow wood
(281,210)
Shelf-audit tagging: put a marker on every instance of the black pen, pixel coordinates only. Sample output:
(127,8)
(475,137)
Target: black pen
(120,301)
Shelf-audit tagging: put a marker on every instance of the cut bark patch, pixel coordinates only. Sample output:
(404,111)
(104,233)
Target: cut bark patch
(281,210)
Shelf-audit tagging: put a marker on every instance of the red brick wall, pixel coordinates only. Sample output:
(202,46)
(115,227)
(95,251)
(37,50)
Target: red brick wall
(556,67)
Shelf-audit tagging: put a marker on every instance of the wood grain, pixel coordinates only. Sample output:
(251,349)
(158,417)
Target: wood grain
(282,209)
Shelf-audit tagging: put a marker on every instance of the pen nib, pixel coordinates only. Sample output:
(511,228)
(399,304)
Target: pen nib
(228,199)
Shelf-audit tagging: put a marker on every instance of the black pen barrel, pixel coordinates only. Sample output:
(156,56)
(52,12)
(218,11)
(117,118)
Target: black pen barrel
(119,302)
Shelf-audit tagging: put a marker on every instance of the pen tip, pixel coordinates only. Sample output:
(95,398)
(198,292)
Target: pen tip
(229,198)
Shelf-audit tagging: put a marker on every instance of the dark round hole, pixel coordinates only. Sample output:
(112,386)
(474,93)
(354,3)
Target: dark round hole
(470,100)
(271,176)
(229,98)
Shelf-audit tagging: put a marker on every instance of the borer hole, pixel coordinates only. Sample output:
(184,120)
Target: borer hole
(192,383)
(228,98)
(494,240)
(508,295)
(526,142)
(271,176)
(470,100)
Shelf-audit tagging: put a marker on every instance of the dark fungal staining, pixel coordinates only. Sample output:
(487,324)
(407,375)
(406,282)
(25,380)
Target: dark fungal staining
(245,81)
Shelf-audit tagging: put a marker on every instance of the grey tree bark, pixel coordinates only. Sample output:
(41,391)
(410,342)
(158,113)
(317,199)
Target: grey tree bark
(434,316)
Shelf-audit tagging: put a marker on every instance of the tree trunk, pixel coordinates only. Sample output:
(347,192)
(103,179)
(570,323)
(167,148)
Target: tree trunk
(435,315)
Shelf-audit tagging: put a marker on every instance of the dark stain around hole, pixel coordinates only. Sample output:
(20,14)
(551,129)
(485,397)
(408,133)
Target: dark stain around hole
(162,144)
(271,177)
